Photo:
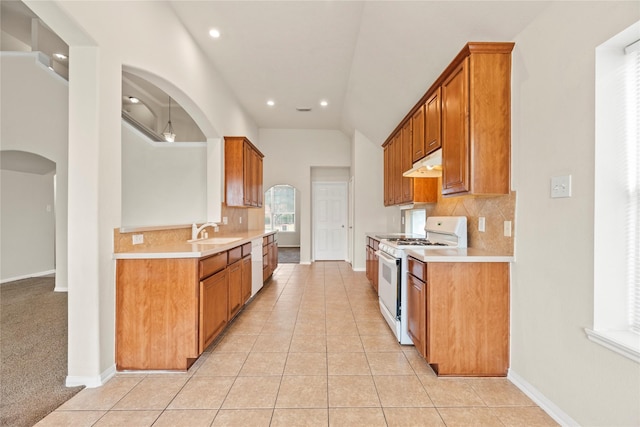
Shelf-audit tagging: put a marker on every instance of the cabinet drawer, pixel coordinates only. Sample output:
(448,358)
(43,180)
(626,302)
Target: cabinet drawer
(208,266)
(265,250)
(235,254)
(270,238)
(265,241)
(375,244)
(246,249)
(417,268)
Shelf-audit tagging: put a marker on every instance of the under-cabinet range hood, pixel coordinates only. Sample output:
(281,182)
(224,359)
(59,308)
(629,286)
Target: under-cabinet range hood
(429,167)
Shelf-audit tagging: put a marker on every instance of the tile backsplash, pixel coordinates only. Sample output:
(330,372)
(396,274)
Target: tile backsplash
(495,210)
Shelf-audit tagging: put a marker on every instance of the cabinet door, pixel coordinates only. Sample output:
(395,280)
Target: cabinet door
(396,170)
(235,288)
(213,308)
(273,256)
(417,134)
(374,270)
(433,118)
(388,188)
(259,180)
(416,313)
(246,278)
(406,164)
(455,131)
(247,183)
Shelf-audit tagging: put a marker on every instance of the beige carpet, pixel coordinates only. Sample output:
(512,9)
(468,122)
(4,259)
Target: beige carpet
(33,351)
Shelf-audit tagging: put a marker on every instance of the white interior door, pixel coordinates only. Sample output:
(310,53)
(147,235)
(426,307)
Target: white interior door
(329,220)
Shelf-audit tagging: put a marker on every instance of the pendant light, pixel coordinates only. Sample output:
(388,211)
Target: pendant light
(168,133)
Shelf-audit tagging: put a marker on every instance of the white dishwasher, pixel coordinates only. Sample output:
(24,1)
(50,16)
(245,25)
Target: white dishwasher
(256,265)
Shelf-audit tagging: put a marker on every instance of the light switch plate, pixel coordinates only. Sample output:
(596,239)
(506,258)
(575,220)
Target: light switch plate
(561,186)
(138,239)
(507,229)
(481,224)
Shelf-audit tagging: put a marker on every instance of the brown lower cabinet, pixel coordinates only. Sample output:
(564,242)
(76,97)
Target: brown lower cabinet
(371,266)
(169,310)
(458,316)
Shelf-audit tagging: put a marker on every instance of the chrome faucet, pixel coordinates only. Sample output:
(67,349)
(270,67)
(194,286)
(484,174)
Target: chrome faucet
(195,230)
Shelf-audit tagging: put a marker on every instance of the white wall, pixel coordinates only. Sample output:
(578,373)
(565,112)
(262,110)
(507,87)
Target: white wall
(27,227)
(553,83)
(289,155)
(369,211)
(34,118)
(163,184)
(147,33)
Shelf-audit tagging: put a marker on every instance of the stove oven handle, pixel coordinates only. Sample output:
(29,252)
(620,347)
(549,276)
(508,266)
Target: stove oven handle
(386,257)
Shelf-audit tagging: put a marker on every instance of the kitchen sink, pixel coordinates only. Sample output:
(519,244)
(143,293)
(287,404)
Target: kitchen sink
(215,240)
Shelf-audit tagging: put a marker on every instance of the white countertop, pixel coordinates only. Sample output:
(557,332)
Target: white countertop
(457,255)
(190,250)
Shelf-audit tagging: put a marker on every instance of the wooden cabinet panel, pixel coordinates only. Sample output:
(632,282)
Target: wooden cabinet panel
(388,169)
(243,173)
(234,272)
(416,317)
(468,318)
(208,266)
(455,131)
(246,278)
(156,314)
(433,122)
(406,163)
(213,308)
(396,168)
(234,255)
(418,134)
(371,265)
(270,256)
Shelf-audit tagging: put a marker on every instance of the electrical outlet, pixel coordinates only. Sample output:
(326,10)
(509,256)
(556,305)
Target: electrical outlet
(138,239)
(561,186)
(481,224)
(216,229)
(507,229)
(225,220)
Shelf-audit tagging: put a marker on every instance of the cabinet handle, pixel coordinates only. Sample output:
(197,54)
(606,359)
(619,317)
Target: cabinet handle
(431,143)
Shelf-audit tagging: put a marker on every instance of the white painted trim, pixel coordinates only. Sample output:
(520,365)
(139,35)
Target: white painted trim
(305,262)
(622,342)
(541,400)
(61,289)
(28,276)
(358,269)
(91,382)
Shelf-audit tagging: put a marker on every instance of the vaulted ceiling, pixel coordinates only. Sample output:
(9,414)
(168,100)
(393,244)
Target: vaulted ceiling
(370,60)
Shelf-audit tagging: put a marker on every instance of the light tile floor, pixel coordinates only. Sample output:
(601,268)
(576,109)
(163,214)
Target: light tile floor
(310,350)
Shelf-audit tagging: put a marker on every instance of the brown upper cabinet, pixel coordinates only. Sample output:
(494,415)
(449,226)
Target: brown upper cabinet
(418,134)
(400,190)
(433,123)
(243,173)
(467,113)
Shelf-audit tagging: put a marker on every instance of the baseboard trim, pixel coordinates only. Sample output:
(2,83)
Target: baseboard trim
(28,276)
(91,382)
(305,263)
(541,400)
(358,269)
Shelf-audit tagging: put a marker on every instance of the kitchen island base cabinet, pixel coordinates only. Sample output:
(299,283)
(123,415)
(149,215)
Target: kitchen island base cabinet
(461,320)
(156,314)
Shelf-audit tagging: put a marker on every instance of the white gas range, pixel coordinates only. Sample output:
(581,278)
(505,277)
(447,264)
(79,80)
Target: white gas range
(441,232)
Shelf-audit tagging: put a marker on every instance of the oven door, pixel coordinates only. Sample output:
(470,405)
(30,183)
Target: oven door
(388,285)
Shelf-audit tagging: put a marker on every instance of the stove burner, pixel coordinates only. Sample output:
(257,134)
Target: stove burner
(418,242)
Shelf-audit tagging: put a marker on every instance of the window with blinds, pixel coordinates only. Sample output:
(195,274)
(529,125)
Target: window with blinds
(632,139)
(616,266)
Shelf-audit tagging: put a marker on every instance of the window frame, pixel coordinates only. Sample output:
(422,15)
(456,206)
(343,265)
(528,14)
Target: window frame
(612,298)
(272,214)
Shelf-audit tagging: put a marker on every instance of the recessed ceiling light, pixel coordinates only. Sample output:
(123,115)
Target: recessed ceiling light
(271,103)
(133,100)
(215,33)
(323,103)
(60,55)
